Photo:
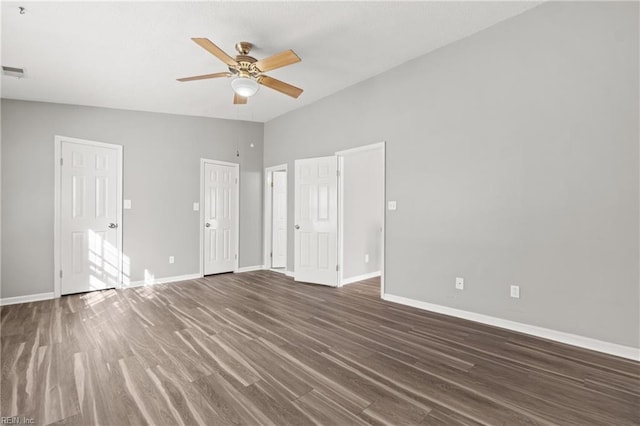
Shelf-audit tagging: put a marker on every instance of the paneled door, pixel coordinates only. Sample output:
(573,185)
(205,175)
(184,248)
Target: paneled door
(220,238)
(316,220)
(279,218)
(90,242)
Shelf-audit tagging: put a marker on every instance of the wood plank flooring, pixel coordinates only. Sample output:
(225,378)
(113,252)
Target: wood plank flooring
(257,348)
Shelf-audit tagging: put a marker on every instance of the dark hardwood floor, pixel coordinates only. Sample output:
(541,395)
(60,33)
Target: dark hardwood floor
(257,348)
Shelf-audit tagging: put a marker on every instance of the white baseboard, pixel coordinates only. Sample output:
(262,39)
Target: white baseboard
(26,299)
(283,272)
(165,280)
(546,333)
(357,278)
(251,268)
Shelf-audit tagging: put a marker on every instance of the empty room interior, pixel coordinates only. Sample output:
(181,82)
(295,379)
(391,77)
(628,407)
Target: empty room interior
(331,213)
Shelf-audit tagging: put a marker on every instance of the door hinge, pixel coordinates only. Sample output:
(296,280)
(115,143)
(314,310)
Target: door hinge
(60,273)
(272,184)
(271,254)
(61,161)
(236,256)
(337,268)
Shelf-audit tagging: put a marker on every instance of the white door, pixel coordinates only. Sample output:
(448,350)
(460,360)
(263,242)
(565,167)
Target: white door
(279,219)
(90,243)
(220,218)
(316,220)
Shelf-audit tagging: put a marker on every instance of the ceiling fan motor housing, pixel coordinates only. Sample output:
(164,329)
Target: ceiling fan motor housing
(245,66)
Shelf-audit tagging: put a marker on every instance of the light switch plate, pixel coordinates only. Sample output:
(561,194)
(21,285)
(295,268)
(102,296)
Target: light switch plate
(127,204)
(392,205)
(460,283)
(515,291)
(196,207)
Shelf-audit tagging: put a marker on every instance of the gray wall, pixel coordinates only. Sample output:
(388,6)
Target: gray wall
(161,177)
(362,174)
(513,156)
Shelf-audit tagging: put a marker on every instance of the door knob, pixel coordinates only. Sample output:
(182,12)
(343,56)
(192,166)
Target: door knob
(297,226)
(113,225)
(207,225)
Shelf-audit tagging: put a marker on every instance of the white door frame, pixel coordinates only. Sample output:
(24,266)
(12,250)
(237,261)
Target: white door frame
(204,161)
(341,154)
(57,195)
(268,192)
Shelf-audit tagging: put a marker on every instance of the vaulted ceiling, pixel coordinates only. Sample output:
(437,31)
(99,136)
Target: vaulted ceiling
(128,54)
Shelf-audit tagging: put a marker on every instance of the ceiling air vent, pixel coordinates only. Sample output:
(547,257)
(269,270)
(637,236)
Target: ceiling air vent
(13,71)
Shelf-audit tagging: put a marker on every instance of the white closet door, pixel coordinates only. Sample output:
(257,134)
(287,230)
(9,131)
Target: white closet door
(279,217)
(316,220)
(89,244)
(220,216)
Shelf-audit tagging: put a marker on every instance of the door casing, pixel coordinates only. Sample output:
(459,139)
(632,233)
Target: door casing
(57,191)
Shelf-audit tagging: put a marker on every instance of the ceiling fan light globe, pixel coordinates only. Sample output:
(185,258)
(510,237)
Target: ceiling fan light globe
(244,86)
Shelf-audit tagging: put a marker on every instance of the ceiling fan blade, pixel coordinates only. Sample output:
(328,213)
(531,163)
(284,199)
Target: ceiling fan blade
(280,86)
(206,44)
(278,60)
(205,76)
(239,100)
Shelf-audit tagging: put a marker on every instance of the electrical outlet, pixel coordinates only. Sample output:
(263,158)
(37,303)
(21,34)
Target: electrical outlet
(196,207)
(515,291)
(366,258)
(460,283)
(392,205)
(172,259)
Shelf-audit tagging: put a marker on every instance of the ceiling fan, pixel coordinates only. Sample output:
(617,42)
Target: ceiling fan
(247,71)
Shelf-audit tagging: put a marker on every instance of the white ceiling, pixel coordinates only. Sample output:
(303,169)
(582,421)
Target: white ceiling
(127,55)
